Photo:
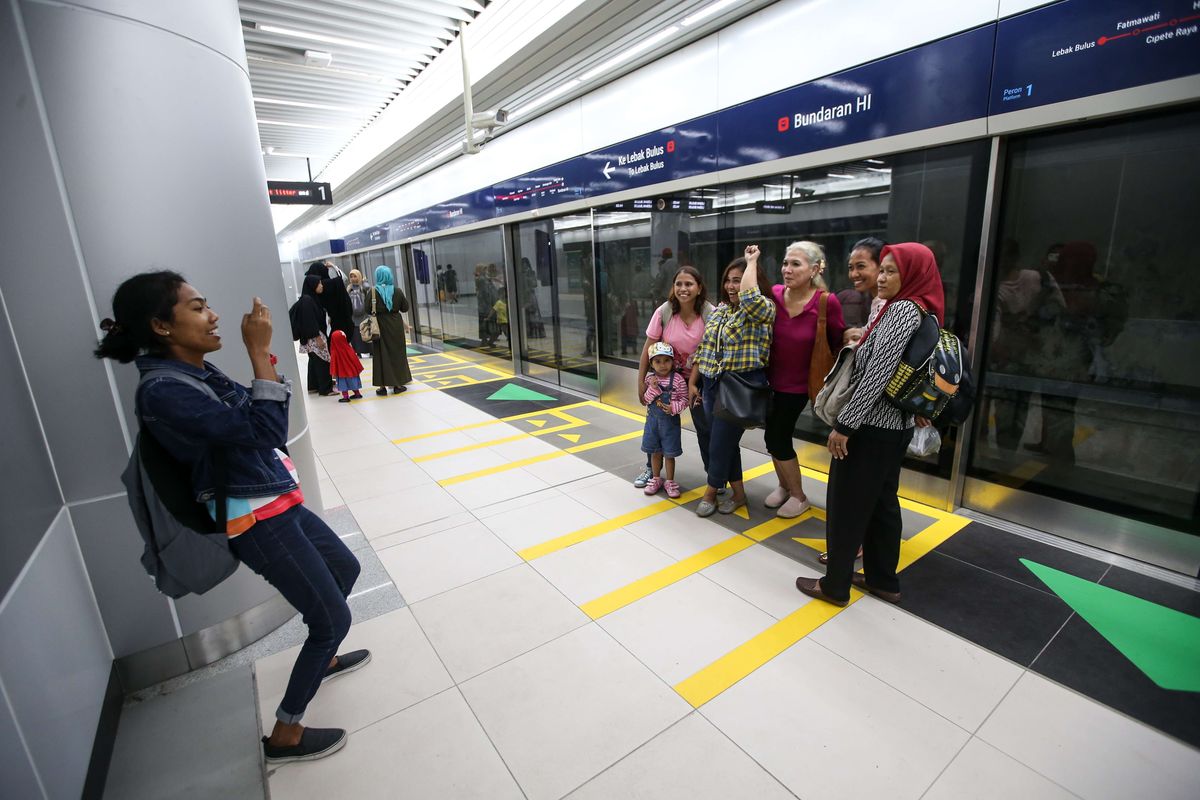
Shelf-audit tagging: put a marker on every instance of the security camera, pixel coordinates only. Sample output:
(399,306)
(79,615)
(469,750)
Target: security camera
(486,120)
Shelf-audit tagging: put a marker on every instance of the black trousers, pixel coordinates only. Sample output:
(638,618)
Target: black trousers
(864,510)
(781,424)
(318,375)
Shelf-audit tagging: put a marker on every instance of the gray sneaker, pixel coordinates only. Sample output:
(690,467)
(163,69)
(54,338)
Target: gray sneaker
(706,509)
(643,478)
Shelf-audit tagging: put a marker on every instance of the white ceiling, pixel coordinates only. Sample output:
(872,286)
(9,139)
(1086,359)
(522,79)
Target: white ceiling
(364,129)
(321,70)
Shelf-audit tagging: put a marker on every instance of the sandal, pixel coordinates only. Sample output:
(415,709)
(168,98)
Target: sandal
(824,557)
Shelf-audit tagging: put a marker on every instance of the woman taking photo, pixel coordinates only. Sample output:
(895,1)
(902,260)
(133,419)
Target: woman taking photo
(165,324)
(685,311)
(798,310)
(389,353)
(737,338)
(870,436)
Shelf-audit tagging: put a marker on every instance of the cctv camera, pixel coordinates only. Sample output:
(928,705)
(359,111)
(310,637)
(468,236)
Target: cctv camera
(486,120)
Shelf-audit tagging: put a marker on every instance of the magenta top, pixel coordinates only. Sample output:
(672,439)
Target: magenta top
(792,343)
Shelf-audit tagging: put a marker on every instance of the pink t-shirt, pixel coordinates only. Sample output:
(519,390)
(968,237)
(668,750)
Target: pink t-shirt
(684,339)
(792,343)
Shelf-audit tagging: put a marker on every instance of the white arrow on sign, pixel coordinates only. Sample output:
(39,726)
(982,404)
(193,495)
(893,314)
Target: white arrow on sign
(608,168)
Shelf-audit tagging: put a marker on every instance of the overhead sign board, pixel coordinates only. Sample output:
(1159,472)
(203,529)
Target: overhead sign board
(1079,49)
(937,84)
(773,206)
(299,193)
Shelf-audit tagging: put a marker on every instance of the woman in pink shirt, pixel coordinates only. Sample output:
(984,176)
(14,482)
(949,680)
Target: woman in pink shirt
(684,313)
(797,302)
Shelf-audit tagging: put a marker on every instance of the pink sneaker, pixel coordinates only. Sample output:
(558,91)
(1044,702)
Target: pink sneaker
(653,485)
(672,489)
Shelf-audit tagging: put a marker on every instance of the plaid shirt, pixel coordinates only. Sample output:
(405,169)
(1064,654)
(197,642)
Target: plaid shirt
(737,339)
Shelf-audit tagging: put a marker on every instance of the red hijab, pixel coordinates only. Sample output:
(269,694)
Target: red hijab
(343,361)
(920,281)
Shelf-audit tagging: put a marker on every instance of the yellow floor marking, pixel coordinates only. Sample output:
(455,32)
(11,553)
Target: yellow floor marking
(524,462)
(815,544)
(538,422)
(630,517)
(618,411)
(495,421)
(570,437)
(665,577)
(741,661)
(624,437)
(516,437)
(743,512)
(643,587)
(718,676)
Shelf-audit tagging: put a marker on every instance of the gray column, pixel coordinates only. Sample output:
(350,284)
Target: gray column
(137,149)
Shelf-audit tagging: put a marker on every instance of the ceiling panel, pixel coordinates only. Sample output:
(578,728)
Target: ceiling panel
(327,68)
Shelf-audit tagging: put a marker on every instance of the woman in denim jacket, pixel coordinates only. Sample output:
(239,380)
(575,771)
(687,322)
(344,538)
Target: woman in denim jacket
(163,323)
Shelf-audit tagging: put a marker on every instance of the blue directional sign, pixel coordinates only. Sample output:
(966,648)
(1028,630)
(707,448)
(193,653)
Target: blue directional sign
(1078,49)
(938,84)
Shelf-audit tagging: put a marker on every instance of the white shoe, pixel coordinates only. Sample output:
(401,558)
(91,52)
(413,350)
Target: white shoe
(776,498)
(792,508)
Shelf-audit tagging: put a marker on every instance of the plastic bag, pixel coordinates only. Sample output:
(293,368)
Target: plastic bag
(925,442)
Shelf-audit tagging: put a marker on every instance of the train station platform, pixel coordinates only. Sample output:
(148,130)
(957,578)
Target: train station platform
(542,629)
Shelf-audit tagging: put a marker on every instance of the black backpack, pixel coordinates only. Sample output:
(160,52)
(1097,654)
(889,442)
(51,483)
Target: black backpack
(933,378)
(186,551)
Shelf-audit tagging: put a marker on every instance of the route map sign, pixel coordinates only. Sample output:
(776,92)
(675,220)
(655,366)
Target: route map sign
(1079,49)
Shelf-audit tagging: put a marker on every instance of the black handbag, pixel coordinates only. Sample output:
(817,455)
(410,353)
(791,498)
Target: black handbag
(741,401)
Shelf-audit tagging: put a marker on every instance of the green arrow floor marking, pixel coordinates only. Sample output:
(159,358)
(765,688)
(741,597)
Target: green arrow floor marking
(511,391)
(1161,642)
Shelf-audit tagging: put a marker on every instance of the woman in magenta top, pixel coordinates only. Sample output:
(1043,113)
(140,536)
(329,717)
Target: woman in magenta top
(798,302)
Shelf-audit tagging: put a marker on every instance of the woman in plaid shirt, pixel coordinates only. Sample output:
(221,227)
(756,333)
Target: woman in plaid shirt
(737,338)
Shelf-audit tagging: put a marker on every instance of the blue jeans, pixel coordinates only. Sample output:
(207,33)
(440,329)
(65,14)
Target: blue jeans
(300,556)
(703,432)
(661,433)
(724,446)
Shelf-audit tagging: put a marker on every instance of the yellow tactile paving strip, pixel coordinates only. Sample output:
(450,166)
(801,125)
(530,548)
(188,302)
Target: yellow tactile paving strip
(730,668)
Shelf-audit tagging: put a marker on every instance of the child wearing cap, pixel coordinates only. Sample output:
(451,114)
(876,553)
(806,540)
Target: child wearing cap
(666,396)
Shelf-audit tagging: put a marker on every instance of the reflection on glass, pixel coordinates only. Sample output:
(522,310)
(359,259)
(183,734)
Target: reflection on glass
(425,297)
(472,295)
(1092,386)
(556,293)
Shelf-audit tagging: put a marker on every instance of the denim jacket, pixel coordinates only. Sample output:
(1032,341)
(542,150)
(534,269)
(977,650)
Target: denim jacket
(248,424)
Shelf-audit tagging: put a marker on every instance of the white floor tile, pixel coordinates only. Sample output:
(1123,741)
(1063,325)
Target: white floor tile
(403,509)
(495,488)
(552,516)
(525,447)
(404,670)
(327,443)
(432,445)
(485,623)
(330,497)
(361,458)
(683,628)
(1089,748)
(679,532)
(564,470)
(690,761)
(381,479)
(521,501)
(381,543)
(959,680)
(435,749)
(613,497)
(826,729)
(764,578)
(596,567)
(981,772)
(461,464)
(442,561)
(566,711)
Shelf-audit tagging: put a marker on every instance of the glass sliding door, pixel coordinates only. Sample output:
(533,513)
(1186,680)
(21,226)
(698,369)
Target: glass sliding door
(557,299)
(424,297)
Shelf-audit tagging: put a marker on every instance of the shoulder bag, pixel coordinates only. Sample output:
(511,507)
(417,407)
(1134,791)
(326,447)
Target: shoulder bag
(368,329)
(822,357)
(838,387)
(741,401)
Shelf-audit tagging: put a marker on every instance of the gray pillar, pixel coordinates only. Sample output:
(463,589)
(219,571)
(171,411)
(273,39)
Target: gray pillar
(145,123)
